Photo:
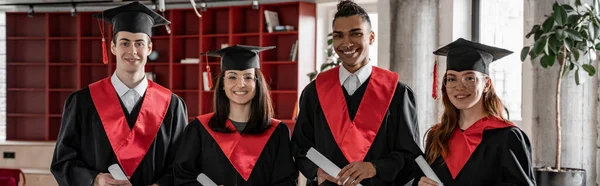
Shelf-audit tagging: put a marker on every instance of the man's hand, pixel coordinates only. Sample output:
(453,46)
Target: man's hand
(427,182)
(105,179)
(322,176)
(153,185)
(355,172)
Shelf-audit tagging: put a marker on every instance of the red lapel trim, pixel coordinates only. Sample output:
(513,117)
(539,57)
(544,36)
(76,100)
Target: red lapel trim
(241,150)
(130,146)
(355,137)
(463,144)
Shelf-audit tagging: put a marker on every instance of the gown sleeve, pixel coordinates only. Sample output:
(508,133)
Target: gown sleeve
(284,170)
(516,160)
(188,158)
(178,122)
(303,137)
(399,166)
(67,165)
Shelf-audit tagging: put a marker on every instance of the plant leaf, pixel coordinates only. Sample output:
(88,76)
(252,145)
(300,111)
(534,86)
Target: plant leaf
(548,61)
(546,51)
(573,34)
(576,54)
(567,7)
(577,76)
(567,69)
(572,20)
(554,44)
(524,52)
(561,34)
(534,29)
(567,44)
(560,14)
(591,70)
(538,34)
(577,2)
(591,30)
(548,24)
(539,45)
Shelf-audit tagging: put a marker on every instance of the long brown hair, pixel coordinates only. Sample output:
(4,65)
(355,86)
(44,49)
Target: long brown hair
(261,110)
(438,136)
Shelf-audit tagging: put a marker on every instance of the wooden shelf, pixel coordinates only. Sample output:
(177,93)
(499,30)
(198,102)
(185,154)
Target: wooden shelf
(63,38)
(246,34)
(62,64)
(26,89)
(52,55)
(25,38)
(283,91)
(62,90)
(280,33)
(215,35)
(186,36)
(24,115)
(186,90)
(24,64)
(279,62)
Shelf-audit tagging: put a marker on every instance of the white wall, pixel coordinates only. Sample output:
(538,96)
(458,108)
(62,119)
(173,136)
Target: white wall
(2,75)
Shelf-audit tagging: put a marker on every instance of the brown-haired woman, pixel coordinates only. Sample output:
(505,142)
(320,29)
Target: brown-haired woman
(475,144)
(238,144)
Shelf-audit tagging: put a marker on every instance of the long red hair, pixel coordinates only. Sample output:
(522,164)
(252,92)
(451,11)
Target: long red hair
(438,136)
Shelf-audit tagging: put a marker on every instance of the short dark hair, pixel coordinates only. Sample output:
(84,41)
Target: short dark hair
(347,8)
(261,109)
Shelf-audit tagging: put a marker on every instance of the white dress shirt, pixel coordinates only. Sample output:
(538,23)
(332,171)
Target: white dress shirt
(128,96)
(351,81)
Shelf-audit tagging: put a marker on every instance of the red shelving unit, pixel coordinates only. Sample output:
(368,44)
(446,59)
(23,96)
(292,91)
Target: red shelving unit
(51,55)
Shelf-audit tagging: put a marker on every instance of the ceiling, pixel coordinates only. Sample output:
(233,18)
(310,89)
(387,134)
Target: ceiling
(37,2)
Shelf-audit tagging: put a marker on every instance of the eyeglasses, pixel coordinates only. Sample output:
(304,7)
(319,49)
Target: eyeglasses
(235,79)
(469,80)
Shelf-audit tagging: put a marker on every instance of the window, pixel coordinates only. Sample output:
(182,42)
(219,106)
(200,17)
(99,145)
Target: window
(501,25)
(2,76)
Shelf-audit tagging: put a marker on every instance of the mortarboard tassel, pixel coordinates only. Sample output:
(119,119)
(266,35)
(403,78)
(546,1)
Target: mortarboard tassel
(434,94)
(104,52)
(209,76)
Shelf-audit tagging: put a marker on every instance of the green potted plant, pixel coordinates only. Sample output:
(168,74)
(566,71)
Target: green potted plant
(566,35)
(331,61)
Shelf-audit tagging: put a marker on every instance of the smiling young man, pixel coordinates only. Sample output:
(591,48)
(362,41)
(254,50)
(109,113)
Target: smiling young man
(124,119)
(357,115)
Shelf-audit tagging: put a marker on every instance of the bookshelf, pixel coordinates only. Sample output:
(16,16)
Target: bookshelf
(51,55)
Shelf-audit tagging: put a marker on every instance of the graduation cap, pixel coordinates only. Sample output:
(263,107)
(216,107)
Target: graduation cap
(133,17)
(237,57)
(464,55)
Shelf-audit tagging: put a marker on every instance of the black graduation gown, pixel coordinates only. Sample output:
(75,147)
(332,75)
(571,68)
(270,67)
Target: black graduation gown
(503,158)
(200,153)
(83,149)
(392,152)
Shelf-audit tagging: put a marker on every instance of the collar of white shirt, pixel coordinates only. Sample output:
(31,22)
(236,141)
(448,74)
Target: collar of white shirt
(363,73)
(121,88)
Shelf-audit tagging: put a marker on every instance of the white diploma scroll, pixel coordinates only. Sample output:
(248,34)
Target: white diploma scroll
(116,172)
(324,163)
(205,181)
(427,170)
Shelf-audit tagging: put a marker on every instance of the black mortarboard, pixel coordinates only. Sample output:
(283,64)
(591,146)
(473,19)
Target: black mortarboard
(463,55)
(238,57)
(133,17)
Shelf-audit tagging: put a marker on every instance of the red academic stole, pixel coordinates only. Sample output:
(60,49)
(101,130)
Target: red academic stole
(354,138)
(462,144)
(242,150)
(130,146)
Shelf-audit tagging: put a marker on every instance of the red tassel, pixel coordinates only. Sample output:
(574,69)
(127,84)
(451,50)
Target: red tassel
(210,84)
(104,53)
(434,94)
